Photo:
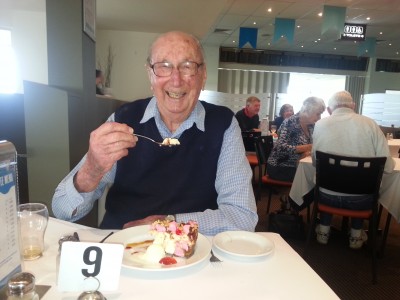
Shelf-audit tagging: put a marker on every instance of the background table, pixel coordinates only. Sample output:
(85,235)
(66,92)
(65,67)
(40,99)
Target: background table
(304,181)
(394,146)
(282,275)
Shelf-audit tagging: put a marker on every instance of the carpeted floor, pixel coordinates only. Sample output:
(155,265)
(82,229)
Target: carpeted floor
(346,271)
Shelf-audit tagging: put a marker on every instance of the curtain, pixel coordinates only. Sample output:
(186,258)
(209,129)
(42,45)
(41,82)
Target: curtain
(355,86)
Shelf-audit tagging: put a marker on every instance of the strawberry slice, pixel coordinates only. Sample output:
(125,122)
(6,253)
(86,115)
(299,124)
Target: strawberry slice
(167,261)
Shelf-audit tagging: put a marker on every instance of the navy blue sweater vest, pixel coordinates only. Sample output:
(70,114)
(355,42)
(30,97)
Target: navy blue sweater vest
(155,180)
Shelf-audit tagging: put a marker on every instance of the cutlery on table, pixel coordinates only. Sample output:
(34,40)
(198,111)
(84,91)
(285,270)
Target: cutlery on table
(106,237)
(213,258)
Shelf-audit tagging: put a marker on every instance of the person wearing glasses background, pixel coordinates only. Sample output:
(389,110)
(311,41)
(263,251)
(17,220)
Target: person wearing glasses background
(206,178)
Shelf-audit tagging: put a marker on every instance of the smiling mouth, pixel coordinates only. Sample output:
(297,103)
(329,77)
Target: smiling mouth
(175,95)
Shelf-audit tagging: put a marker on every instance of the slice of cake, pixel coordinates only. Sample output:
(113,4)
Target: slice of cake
(173,239)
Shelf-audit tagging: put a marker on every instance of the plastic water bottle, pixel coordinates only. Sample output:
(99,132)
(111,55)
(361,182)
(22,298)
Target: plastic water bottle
(264,126)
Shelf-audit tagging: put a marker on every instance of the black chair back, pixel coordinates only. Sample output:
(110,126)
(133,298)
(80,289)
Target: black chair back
(263,146)
(350,175)
(249,139)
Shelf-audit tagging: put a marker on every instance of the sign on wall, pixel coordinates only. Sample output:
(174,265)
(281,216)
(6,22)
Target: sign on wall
(354,32)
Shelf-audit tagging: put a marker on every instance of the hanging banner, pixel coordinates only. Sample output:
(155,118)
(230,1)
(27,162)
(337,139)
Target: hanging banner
(367,47)
(248,35)
(284,27)
(333,19)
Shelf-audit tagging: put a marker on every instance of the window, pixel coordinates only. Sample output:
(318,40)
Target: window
(8,64)
(302,86)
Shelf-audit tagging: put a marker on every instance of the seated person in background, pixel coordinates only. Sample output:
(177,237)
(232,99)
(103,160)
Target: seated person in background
(248,117)
(99,82)
(295,140)
(285,112)
(207,178)
(350,134)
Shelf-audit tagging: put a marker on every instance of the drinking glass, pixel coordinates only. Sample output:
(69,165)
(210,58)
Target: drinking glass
(273,129)
(33,218)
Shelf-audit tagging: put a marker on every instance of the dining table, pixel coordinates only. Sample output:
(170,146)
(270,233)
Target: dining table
(394,147)
(282,274)
(389,197)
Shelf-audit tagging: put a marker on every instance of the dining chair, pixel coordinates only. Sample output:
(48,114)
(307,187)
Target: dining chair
(248,142)
(263,146)
(349,175)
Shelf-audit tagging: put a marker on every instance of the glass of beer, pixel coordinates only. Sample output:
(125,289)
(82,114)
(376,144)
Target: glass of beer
(33,218)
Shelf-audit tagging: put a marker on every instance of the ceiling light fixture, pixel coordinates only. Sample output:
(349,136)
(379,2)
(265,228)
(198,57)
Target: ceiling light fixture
(368,18)
(320,14)
(269,9)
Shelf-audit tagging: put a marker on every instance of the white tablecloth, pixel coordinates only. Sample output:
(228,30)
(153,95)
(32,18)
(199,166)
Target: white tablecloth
(304,181)
(394,146)
(282,275)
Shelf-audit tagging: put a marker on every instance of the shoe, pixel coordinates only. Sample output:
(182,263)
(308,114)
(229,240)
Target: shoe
(322,232)
(357,240)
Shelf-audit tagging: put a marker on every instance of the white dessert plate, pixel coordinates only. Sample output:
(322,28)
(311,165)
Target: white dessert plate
(243,245)
(141,233)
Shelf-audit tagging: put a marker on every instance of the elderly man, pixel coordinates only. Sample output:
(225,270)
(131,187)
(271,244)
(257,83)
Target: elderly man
(206,178)
(248,116)
(349,134)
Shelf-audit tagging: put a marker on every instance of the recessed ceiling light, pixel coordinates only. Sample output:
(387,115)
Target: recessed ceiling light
(368,18)
(233,41)
(390,44)
(298,26)
(320,14)
(319,39)
(334,48)
(255,23)
(302,46)
(269,9)
(381,32)
(397,52)
(315,41)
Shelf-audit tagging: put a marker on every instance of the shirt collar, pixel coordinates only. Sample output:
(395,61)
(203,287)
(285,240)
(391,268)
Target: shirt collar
(197,117)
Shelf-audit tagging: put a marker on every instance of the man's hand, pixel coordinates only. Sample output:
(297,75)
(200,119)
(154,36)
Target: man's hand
(107,144)
(146,221)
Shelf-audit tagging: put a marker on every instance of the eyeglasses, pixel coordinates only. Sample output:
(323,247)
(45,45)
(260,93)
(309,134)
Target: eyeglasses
(186,68)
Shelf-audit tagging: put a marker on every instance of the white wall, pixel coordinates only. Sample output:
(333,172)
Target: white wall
(129,76)
(29,41)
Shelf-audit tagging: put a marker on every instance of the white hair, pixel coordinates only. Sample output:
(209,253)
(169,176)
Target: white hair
(340,99)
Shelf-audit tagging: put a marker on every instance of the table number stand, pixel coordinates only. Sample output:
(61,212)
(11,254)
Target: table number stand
(10,255)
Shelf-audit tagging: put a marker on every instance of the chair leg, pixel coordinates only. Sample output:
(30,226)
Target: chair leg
(311,225)
(385,234)
(373,249)
(269,200)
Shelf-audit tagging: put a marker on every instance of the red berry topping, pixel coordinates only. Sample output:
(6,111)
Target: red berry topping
(167,261)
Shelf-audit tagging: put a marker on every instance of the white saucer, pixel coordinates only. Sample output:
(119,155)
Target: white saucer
(243,245)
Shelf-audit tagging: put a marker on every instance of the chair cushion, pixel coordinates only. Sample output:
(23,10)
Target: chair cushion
(361,214)
(268,180)
(252,158)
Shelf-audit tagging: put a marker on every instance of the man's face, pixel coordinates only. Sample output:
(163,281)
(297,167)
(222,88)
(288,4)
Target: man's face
(176,94)
(254,108)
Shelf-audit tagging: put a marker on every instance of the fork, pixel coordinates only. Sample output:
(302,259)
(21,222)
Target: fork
(213,258)
(158,143)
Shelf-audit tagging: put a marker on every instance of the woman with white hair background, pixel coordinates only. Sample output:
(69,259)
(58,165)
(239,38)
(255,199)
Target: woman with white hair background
(295,140)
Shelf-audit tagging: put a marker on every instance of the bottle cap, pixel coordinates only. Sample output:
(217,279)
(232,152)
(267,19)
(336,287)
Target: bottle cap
(21,283)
